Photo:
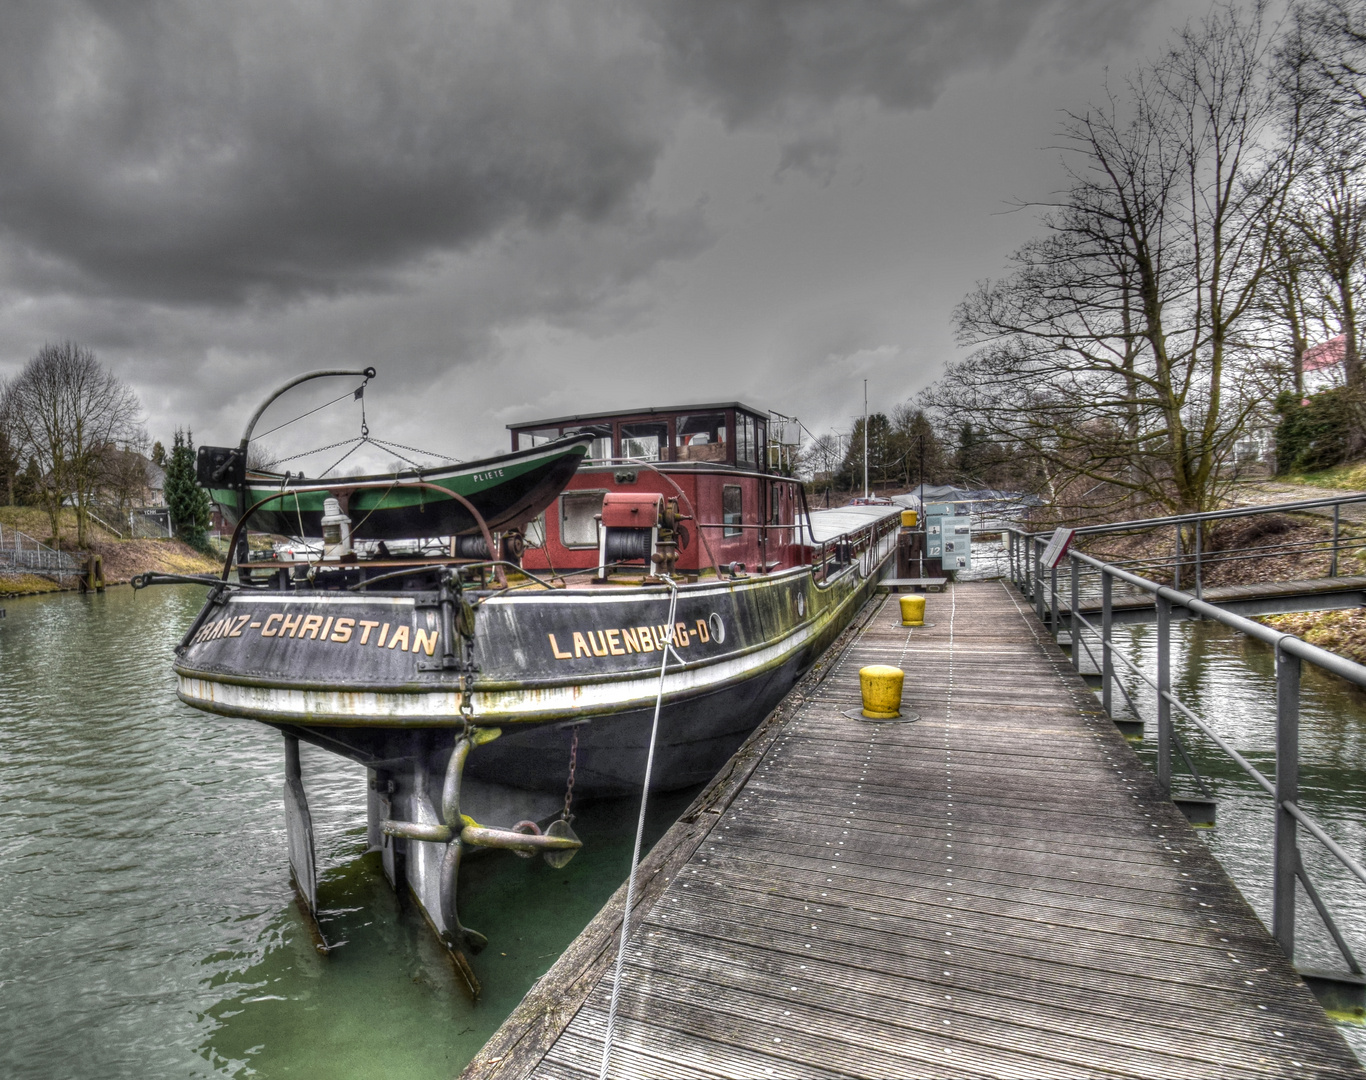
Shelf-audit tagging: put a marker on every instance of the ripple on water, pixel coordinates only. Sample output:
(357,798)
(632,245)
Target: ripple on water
(149,925)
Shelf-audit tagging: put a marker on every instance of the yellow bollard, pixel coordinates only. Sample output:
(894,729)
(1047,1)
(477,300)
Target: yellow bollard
(909,519)
(881,686)
(912,611)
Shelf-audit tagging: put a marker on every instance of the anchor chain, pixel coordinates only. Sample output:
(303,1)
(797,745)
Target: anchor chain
(573,764)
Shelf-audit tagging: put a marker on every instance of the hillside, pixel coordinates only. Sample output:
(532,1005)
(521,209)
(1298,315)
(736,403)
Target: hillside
(122,558)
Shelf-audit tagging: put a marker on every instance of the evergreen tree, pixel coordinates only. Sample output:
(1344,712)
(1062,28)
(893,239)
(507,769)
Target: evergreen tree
(189,503)
(158,455)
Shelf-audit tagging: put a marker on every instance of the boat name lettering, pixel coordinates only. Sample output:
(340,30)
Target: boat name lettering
(492,474)
(621,641)
(331,629)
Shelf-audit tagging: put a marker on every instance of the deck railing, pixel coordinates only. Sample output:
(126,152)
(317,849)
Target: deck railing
(1041,585)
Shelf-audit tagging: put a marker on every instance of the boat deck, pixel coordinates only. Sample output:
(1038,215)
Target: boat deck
(996,889)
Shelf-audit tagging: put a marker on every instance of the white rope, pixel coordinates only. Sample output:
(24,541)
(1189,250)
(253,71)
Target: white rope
(640,833)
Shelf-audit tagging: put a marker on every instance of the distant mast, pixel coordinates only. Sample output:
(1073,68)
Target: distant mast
(866,492)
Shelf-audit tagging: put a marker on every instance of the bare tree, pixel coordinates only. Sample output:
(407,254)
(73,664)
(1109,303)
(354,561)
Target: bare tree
(1112,354)
(1323,98)
(64,411)
(125,473)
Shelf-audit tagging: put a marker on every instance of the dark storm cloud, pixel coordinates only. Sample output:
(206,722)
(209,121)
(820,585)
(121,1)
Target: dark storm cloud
(266,150)
(761,58)
(211,152)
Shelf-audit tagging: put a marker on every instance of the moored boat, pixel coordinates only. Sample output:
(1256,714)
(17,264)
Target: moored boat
(674,567)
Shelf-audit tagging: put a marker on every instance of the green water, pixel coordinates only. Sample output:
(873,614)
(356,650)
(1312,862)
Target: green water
(147,924)
(1230,682)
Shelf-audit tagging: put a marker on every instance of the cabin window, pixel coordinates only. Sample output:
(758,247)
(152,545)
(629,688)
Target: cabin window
(601,447)
(744,440)
(646,442)
(536,437)
(701,437)
(760,437)
(579,511)
(775,504)
(732,510)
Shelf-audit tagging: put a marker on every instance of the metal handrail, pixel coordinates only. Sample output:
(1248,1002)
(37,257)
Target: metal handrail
(1209,515)
(1027,572)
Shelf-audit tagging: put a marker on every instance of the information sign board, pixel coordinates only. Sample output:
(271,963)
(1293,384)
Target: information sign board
(1057,547)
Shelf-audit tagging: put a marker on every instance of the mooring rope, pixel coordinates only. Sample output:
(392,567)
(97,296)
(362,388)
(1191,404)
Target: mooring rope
(640,833)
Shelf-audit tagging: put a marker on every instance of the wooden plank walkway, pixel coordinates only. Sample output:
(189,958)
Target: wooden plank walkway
(997,889)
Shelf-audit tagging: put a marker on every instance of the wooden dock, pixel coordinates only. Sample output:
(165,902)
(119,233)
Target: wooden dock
(996,889)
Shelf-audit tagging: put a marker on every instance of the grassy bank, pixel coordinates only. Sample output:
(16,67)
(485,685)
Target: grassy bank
(1349,477)
(122,559)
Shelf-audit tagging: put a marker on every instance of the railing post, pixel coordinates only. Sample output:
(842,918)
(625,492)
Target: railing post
(1199,543)
(1176,564)
(1038,577)
(1286,859)
(1164,684)
(1053,601)
(1073,623)
(1333,565)
(1107,663)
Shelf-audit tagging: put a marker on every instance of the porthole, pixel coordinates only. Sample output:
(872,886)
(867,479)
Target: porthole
(718,628)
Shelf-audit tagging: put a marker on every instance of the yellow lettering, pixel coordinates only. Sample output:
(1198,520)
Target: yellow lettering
(554,647)
(291,624)
(366,626)
(580,646)
(612,646)
(647,639)
(236,631)
(630,640)
(311,622)
(342,631)
(681,633)
(596,638)
(665,635)
(400,639)
(327,629)
(703,634)
(426,641)
(383,633)
(266,630)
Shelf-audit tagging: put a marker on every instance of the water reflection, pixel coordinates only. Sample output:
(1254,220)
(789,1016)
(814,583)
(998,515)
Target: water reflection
(1229,680)
(149,929)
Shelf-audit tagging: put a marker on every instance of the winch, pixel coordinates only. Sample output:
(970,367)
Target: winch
(639,527)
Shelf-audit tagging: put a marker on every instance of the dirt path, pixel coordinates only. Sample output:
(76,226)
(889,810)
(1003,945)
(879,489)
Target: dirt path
(1271,492)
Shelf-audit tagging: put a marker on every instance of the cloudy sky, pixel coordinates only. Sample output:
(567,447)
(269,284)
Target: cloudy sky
(520,208)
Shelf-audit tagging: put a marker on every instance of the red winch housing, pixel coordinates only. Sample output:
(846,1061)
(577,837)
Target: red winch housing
(631,510)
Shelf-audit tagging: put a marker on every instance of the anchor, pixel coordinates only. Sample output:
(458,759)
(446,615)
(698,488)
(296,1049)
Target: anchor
(557,844)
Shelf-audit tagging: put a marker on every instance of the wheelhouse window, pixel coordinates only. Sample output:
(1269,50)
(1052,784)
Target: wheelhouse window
(701,437)
(647,442)
(601,447)
(732,510)
(526,440)
(775,504)
(579,511)
(746,448)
